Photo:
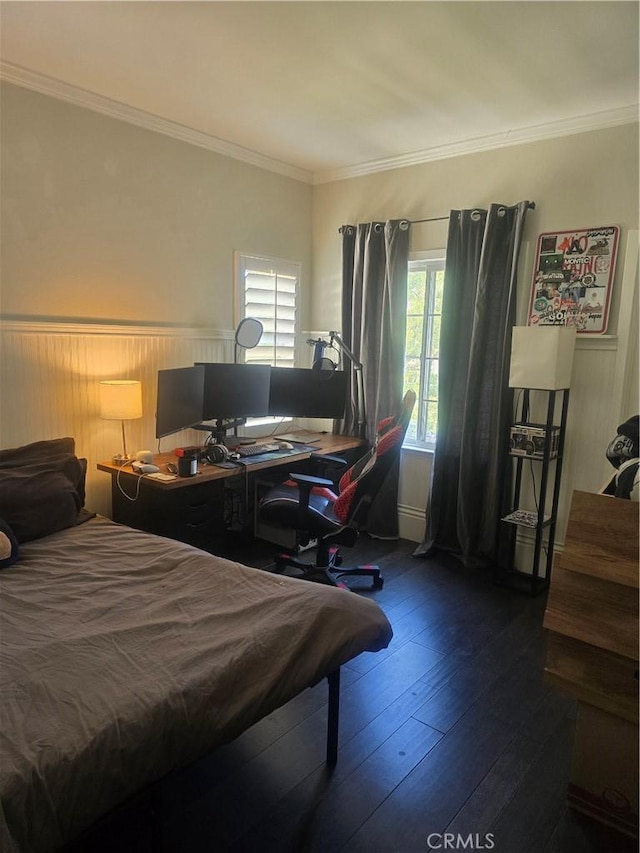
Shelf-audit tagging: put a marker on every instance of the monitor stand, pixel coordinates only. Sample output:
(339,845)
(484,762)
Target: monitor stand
(221,427)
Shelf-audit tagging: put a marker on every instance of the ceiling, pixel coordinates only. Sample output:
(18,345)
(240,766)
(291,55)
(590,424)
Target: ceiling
(323,90)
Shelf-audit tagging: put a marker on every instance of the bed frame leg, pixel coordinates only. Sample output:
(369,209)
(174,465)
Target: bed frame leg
(333,680)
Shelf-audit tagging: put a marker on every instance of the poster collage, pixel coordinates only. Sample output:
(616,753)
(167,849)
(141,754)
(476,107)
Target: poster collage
(573,277)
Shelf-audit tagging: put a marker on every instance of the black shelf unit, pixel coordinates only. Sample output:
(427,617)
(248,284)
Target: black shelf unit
(552,456)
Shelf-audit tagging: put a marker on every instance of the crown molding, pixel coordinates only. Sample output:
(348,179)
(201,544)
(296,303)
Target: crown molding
(534,133)
(45,85)
(115,109)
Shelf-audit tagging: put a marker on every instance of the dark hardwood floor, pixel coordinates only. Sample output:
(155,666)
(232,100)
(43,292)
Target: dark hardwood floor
(450,730)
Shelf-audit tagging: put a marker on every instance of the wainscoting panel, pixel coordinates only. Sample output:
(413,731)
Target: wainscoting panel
(50,375)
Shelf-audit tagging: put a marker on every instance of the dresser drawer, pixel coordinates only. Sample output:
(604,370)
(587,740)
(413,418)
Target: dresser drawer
(596,611)
(597,676)
(194,515)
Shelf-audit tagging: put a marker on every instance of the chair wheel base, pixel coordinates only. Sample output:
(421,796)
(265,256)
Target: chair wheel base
(331,574)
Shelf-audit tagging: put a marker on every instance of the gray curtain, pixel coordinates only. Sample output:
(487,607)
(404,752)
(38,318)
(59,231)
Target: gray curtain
(375,258)
(470,472)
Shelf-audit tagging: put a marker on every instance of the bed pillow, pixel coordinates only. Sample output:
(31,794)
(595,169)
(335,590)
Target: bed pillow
(9,548)
(56,454)
(37,451)
(42,488)
(36,503)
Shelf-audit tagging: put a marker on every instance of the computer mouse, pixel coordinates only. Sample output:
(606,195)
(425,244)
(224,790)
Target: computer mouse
(144,467)
(285,445)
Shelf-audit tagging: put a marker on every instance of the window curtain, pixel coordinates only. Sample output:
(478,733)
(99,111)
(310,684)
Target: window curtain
(470,469)
(375,257)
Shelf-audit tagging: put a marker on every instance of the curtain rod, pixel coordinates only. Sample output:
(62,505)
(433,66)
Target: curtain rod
(531,205)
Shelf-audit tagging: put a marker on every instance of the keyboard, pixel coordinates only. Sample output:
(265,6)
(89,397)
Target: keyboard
(256,449)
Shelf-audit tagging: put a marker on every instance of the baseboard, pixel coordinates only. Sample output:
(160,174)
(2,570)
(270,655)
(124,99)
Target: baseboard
(525,550)
(411,523)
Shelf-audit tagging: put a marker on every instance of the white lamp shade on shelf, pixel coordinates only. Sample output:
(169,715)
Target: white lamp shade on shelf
(121,399)
(542,357)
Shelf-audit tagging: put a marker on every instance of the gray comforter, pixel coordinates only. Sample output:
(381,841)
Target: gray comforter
(125,655)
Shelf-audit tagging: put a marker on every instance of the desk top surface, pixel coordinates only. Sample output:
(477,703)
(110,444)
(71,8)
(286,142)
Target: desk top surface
(322,443)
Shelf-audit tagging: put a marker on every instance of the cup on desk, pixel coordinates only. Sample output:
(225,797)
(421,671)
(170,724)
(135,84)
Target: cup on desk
(188,464)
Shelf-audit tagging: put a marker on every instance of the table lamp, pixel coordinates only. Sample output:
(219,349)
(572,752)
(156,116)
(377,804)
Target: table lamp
(121,400)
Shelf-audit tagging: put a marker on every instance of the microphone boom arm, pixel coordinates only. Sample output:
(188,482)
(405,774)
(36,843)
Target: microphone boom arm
(334,337)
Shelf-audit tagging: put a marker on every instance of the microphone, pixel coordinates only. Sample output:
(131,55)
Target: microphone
(319,345)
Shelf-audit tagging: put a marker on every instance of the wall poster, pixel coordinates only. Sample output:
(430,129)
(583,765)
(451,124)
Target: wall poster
(572,279)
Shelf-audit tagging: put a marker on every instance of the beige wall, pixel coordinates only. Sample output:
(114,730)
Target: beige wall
(577,181)
(102,220)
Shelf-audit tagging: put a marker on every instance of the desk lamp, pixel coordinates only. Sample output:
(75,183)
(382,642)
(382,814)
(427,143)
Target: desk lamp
(121,400)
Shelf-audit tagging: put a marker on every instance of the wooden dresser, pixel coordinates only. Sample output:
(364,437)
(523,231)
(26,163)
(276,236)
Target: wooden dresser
(592,617)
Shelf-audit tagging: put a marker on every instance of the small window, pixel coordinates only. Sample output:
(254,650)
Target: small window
(424,307)
(267,289)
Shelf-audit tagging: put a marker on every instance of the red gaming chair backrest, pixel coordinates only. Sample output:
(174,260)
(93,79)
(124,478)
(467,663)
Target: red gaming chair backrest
(359,485)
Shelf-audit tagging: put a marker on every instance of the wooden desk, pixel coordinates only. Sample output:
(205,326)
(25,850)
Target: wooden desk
(191,509)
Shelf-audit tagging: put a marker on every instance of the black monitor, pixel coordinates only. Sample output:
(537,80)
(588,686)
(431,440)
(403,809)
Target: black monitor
(303,393)
(179,405)
(235,390)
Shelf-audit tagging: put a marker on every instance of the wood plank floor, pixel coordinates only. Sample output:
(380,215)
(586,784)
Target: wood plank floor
(451,729)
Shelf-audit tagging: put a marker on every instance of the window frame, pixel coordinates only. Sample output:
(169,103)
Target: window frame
(432,260)
(245,262)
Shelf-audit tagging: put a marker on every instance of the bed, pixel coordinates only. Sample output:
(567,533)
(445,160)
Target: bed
(125,656)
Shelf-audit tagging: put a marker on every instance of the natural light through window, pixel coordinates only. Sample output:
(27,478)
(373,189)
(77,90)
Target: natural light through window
(422,350)
(268,290)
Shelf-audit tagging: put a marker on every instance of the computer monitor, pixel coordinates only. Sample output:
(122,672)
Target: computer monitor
(235,390)
(303,393)
(180,397)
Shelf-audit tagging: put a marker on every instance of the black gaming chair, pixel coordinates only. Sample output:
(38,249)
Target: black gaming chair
(306,504)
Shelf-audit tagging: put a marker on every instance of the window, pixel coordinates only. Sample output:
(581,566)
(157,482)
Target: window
(267,289)
(424,306)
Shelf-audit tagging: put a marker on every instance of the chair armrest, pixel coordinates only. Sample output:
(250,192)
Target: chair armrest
(307,479)
(305,484)
(328,457)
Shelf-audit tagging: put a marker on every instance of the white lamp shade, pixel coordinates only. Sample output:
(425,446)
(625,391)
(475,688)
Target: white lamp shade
(542,357)
(121,399)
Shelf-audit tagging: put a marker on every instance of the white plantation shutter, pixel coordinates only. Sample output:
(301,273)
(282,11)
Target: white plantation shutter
(268,290)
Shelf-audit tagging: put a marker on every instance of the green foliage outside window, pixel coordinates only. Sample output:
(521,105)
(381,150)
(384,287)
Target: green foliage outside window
(422,349)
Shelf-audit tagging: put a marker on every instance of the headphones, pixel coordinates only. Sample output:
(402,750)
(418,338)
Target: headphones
(215,453)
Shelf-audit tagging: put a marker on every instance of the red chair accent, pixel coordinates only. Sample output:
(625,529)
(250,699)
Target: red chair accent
(306,504)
